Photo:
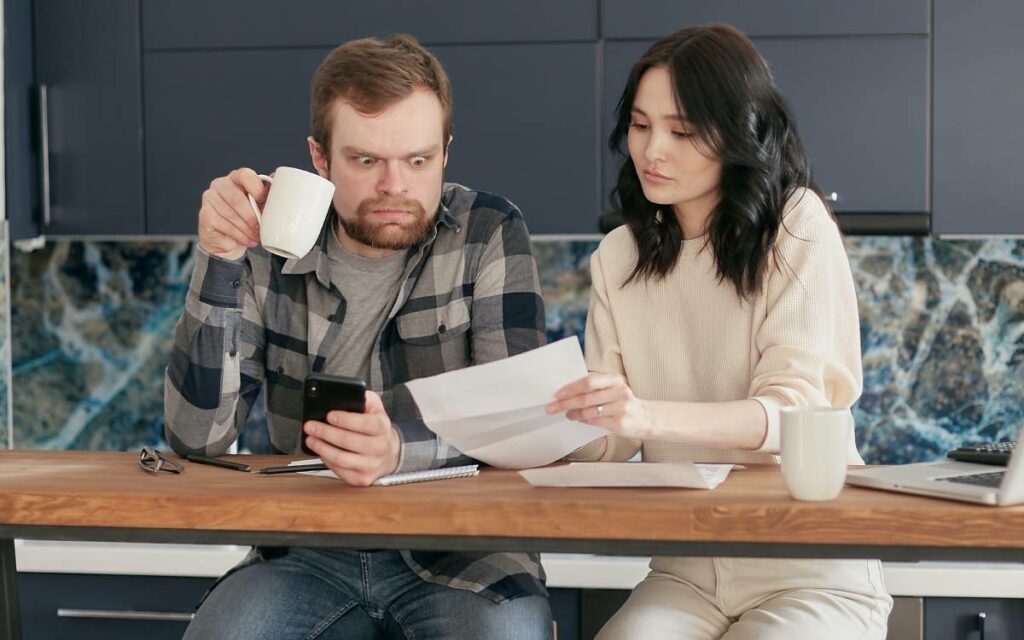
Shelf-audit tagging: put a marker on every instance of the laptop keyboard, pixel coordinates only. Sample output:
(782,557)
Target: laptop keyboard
(987,453)
(978,479)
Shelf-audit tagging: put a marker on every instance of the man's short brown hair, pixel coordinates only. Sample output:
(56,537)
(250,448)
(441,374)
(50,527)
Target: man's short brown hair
(371,74)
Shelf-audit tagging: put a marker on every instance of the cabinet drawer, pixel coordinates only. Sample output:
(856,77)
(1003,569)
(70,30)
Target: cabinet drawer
(973,618)
(103,606)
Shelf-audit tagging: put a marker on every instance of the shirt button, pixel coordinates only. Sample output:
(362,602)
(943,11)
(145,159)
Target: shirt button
(458,228)
(233,353)
(331,317)
(442,329)
(236,283)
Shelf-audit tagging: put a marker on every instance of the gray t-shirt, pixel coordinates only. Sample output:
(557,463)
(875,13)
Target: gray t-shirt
(370,287)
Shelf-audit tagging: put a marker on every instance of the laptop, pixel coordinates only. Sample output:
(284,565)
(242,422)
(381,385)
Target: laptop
(967,481)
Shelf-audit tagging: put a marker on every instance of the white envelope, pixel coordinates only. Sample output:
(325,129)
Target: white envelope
(630,474)
(495,413)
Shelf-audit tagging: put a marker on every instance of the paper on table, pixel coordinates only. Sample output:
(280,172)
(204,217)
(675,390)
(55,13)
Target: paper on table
(630,474)
(494,412)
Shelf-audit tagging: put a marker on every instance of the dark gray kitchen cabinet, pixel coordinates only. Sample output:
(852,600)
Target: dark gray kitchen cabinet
(978,102)
(21,189)
(973,618)
(861,106)
(208,112)
(565,610)
(87,57)
(525,125)
(906,106)
(597,606)
(643,19)
(226,24)
(98,607)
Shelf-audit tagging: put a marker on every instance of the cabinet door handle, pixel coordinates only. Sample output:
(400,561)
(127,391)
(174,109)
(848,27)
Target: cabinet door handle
(981,625)
(124,614)
(43,102)
(831,196)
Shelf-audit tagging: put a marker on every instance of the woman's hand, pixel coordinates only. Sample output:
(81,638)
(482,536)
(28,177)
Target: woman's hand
(604,400)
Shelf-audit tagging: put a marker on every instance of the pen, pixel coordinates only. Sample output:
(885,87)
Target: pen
(227,464)
(293,468)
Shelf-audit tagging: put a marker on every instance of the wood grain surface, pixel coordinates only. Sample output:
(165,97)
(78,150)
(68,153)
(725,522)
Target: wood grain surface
(101,489)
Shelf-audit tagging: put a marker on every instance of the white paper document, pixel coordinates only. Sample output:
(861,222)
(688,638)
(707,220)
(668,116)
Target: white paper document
(630,474)
(494,412)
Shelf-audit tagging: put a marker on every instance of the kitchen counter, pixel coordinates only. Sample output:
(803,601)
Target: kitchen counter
(583,571)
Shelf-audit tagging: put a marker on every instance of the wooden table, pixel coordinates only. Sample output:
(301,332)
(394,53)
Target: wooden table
(67,495)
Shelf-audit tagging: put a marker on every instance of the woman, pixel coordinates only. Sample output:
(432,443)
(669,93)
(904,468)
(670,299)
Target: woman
(727,295)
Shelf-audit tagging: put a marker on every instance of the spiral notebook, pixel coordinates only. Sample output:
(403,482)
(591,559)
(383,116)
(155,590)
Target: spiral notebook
(431,474)
(401,478)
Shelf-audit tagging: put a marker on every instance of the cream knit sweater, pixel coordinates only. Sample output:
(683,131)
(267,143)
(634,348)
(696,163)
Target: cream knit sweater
(689,338)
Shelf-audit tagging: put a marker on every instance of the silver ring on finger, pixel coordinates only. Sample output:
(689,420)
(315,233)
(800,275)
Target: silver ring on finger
(600,410)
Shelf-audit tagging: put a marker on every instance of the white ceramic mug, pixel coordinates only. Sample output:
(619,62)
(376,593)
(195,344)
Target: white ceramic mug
(815,445)
(294,212)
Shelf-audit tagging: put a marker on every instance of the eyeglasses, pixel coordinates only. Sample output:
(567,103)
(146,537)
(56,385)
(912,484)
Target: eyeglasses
(153,461)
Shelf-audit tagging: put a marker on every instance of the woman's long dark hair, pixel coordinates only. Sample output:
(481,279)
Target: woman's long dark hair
(726,91)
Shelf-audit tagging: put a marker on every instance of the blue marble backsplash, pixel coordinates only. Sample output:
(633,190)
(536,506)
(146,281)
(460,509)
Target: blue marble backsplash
(942,332)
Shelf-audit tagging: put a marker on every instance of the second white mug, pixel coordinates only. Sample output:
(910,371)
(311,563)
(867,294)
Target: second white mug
(815,444)
(294,212)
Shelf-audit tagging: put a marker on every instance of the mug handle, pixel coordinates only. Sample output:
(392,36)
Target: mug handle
(252,201)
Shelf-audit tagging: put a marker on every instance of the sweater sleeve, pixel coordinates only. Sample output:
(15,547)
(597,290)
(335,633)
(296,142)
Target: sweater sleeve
(603,355)
(809,339)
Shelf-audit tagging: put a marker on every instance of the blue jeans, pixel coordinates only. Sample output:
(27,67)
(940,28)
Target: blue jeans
(355,595)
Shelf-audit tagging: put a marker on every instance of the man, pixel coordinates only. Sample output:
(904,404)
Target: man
(410,277)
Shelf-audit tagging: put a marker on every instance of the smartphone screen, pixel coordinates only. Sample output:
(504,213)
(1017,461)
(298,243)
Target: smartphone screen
(324,393)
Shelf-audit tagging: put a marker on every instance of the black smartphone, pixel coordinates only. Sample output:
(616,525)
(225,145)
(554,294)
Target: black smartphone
(323,393)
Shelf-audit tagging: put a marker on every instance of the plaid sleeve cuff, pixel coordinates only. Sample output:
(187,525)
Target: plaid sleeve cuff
(217,281)
(419,447)
(399,468)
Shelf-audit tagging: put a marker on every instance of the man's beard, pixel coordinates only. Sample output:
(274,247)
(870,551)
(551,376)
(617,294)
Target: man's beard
(388,235)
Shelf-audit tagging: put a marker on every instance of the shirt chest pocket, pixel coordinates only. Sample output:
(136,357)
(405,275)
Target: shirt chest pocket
(433,326)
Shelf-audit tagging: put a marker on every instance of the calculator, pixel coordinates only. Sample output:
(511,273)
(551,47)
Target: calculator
(988,453)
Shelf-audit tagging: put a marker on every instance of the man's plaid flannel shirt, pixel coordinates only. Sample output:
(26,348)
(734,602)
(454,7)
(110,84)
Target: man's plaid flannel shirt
(470,295)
